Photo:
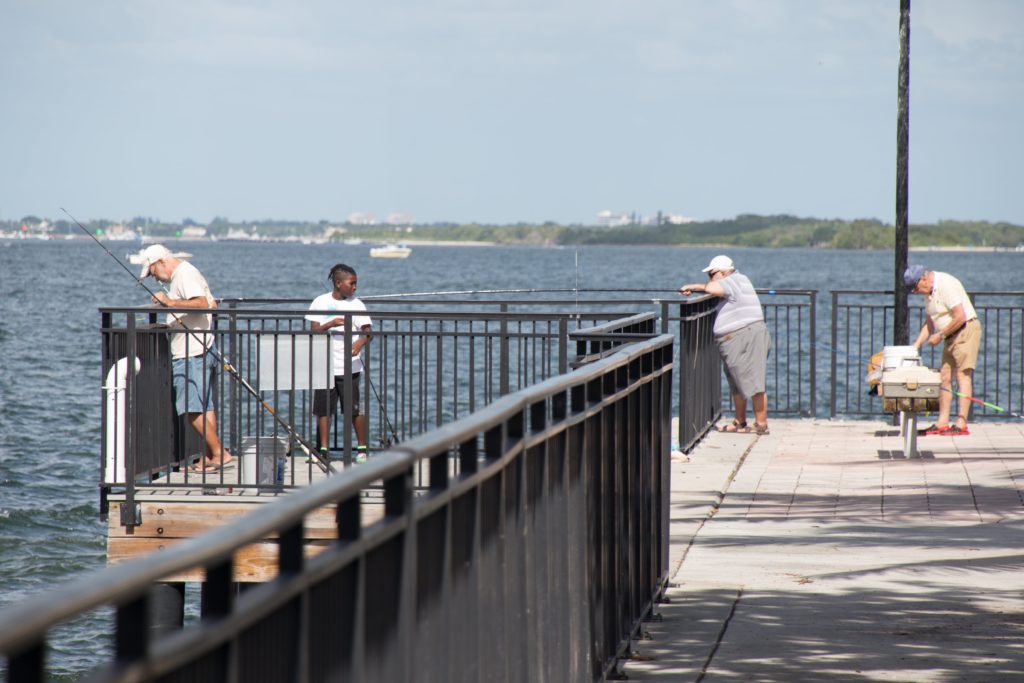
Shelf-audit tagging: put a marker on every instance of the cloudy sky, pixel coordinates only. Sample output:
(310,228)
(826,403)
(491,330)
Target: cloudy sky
(506,110)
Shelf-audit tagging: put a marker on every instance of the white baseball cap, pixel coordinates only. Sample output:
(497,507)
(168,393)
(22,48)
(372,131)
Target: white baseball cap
(151,255)
(720,262)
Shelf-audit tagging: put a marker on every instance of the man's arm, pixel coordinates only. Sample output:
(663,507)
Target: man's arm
(924,333)
(712,287)
(959,319)
(194,302)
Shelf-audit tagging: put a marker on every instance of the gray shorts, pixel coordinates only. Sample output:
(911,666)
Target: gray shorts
(745,358)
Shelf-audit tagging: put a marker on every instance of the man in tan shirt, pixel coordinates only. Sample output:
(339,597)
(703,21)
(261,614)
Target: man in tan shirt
(949,317)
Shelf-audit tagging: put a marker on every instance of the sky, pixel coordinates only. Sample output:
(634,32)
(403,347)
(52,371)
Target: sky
(501,111)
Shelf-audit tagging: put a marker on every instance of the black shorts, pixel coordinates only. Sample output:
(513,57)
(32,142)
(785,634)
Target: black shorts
(337,393)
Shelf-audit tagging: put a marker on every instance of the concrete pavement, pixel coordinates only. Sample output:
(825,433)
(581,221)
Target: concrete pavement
(820,553)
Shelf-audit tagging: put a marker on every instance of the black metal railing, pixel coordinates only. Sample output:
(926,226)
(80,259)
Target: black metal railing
(791,317)
(861,325)
(593,342)
(699,367)
(536,560)
(433,361)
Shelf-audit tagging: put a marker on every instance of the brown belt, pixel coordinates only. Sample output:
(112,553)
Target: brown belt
(959,329)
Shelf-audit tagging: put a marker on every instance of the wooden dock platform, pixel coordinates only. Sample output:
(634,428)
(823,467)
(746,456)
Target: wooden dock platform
(183,505)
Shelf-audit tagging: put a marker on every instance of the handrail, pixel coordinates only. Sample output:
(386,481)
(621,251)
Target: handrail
(25,625)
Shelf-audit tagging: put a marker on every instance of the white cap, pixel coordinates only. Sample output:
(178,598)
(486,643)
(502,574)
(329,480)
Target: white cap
(720,262)
(151,255)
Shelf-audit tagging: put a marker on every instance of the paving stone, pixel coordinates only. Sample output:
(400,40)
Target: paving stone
(833,557)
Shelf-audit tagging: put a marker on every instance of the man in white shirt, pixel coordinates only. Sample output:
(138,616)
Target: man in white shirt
(194,361)
(950,318)
(743,341)
(341,299)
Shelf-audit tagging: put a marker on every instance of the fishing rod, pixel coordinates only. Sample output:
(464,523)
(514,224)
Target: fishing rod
(307,447)
(986,404)
(386,442)
(993,406)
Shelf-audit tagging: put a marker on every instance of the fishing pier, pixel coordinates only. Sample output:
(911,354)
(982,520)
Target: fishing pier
(519,515)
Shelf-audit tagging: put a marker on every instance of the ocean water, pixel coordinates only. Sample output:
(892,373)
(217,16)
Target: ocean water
(50,356)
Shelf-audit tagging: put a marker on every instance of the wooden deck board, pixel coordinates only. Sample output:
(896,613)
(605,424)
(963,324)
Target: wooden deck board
(179,505)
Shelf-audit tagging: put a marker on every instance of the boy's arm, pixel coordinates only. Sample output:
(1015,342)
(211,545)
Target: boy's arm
(358,344)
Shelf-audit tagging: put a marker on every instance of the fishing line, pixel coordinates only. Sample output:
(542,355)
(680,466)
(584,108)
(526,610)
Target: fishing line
(386,442)
(307,448)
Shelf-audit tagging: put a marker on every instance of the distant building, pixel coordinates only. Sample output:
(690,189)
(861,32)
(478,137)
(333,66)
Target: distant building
(400,218)
(120,232)
(678,220)
(362,218)
(193,232)
(610,219)
(333,230)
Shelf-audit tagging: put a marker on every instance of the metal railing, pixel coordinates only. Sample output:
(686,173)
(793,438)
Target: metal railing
(422,369)
(699,369)
(434,360)
(536,560)
(703,393)
(861,324)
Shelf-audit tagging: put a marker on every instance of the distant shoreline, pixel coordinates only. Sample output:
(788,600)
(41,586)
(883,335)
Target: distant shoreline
(134,245)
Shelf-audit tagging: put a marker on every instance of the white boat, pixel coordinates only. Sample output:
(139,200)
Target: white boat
(136,258)
(391,251)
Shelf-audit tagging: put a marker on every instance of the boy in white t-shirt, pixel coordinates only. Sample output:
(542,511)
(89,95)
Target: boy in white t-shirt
(341,299)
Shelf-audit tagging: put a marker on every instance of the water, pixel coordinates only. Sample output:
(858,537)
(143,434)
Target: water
(50,359)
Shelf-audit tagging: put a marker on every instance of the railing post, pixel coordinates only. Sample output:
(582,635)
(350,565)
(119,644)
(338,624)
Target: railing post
(29,665)
(563,346)
(814,352)
(503,361)
(233,352)
(130,516)
(833,366)
(347,398)
(132,634)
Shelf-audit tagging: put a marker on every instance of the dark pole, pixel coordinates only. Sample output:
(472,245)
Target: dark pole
(901,334)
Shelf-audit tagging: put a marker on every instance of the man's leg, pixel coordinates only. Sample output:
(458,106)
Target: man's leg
(945,395)
(760,401)
(359,422)
(323,425)
(739,404)
(206,425)
(965,386)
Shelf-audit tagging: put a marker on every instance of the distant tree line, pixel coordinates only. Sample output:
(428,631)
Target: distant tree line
(749,230)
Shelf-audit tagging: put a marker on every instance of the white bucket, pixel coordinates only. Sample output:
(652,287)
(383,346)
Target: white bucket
(900,357)
(263,460)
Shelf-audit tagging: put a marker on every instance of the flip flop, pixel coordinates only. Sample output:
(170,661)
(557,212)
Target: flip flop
(216,467)
(733,428)
(934,429)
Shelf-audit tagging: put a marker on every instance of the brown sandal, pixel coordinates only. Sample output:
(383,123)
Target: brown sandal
(735,427)
(759,429)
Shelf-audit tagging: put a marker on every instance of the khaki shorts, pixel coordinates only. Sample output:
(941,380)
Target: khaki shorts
(961,348)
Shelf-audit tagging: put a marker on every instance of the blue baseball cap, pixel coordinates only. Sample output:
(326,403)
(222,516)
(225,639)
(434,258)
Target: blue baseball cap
(913,273)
